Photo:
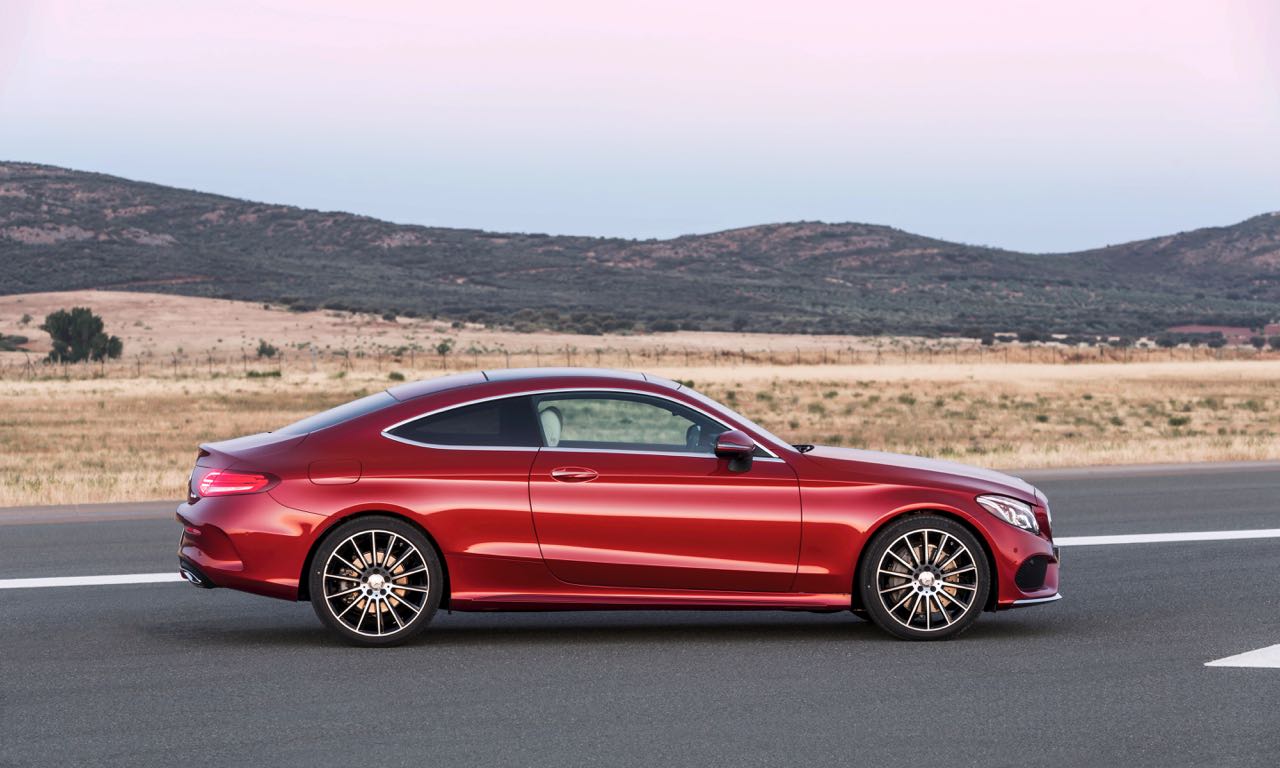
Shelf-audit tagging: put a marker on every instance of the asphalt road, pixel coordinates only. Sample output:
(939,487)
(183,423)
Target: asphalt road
(166,674)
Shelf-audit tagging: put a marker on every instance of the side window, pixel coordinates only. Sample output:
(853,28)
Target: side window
(623,422)
(496,423)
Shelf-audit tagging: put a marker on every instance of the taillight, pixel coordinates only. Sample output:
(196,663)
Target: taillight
(225,482)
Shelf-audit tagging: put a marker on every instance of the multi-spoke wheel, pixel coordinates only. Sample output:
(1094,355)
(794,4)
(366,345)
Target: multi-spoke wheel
(376,580)
(925,577)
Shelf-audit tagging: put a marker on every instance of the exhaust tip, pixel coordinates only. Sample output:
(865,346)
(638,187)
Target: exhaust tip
(193,575)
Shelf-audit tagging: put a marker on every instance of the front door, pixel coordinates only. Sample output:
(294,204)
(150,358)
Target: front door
(627,492)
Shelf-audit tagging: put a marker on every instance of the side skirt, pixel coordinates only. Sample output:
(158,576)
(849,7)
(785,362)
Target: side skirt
(661,600)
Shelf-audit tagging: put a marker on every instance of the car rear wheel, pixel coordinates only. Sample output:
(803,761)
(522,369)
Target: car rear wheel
(376,581)
(925,577)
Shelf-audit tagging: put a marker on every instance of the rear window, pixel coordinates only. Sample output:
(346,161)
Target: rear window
(496,423)
(338,415)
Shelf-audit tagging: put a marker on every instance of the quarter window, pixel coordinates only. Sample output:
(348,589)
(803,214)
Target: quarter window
(495,423)
(623,422)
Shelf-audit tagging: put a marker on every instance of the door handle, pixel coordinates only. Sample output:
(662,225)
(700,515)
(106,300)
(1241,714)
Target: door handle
(574,474)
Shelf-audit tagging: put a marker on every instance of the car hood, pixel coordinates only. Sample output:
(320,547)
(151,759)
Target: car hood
(897,467)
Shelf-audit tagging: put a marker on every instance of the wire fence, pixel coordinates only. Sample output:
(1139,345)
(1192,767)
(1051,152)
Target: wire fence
(417,363)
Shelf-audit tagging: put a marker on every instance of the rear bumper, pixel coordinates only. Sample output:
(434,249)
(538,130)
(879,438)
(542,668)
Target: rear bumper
(247,542)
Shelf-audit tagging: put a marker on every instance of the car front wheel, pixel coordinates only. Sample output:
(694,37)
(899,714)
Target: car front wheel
(924,577)
(376,581)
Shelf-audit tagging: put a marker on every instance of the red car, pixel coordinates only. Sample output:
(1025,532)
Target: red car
(574,489)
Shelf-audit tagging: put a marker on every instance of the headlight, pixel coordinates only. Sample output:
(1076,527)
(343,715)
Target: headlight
(1011,511)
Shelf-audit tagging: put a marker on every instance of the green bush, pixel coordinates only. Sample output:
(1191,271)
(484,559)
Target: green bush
(12,343)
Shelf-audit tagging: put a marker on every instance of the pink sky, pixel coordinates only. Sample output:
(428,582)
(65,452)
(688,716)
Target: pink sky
(1042,126)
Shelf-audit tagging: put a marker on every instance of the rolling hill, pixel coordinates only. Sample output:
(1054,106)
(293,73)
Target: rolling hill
(62,229)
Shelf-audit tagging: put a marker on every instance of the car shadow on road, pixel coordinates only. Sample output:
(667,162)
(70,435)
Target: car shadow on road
(650,631)
(480,630)
(605,628)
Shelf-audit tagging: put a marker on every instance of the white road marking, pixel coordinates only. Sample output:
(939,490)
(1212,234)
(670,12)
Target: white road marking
(90,581)
(1064,541)
(1155,538)
(1268,658)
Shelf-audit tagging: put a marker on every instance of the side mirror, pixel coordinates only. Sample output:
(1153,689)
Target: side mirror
(735,446)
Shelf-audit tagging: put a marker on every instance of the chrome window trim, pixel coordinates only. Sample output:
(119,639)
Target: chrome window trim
(558,449)
(569,390)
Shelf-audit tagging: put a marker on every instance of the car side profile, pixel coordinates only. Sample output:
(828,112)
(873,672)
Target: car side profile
(576,489)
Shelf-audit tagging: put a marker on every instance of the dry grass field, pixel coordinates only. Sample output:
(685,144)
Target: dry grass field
(128,431)
(123,439)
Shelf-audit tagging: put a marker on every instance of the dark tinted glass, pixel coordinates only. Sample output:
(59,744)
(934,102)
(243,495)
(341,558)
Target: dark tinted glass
(506,423)
(345,412)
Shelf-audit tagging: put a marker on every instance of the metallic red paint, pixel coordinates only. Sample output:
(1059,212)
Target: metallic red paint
(552,528)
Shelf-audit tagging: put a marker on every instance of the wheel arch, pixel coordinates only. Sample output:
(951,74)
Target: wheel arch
(993,589)
(337,521)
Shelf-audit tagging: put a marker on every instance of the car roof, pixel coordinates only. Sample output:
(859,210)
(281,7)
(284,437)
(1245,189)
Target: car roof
(563,377)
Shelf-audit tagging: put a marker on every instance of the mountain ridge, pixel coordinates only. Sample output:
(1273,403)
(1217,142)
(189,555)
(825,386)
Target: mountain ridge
(63,229)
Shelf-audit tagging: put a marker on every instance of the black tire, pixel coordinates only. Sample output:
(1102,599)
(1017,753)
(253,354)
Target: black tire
(937,606)
(376,581)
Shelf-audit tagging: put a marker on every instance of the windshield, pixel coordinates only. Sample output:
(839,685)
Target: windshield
(344,412)
(743,420)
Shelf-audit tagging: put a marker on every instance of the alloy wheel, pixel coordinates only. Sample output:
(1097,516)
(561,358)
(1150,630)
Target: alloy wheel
(927,580)
(376,583)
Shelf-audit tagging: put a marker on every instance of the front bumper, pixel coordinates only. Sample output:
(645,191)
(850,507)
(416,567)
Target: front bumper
(1027,567)
(1036,600)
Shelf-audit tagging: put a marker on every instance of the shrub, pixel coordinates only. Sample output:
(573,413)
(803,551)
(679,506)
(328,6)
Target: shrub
(266,349)
(395,376)
(1179,421)
(12,343)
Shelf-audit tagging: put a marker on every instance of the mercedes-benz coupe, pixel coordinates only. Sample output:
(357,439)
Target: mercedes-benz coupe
(571,489)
